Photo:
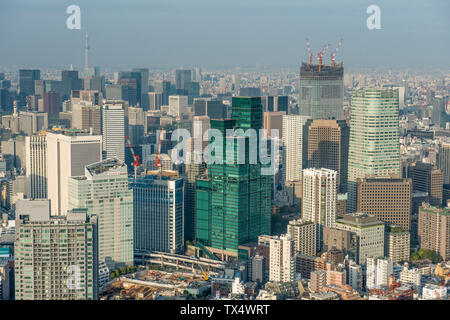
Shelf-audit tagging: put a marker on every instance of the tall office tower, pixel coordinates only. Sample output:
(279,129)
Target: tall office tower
(144,87)
(135,126)
(95,83)
(155,101)
(378,272)
(51,102)
(387,199)
(113,130)
(304,234)
(104,191)
(86,116)
(178,105)
(117,92)
(215,109)
(396,244)
(282,259)
(194,170)
(199,106)
(55,258)
(67,155)
(319,199)
(70,81)
(162,87)
(158,209)
(211,108)
(374,119)
(321,93)
(328,147)
(192,90)
(434,229)
(36,163)
(133,79)
(438,111)
(31,122)
(26,81)
(130,87)
(428,178)
(444,161)
(369,233)
(294,143)
(233,205)
(274,121)
(281,103)
(182,77)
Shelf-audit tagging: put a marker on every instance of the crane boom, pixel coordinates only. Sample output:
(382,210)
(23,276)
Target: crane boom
(333,55)
(309,51)
(136,163)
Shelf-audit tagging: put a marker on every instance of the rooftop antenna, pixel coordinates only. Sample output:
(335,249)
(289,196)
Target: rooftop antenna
(86,51)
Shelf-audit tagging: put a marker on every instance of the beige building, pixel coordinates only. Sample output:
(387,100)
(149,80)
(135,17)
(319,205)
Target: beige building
(387,199)
(86,116)
(397,244)
(328,147)
(304,234)
(369,232)
(434,229)
(274,120)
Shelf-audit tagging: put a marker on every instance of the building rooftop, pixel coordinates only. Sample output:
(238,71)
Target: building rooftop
(104,166)
(359,220)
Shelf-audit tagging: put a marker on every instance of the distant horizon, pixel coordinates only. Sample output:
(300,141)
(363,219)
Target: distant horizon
(224,34)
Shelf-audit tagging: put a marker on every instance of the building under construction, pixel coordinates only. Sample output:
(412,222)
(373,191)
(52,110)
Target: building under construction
(321,90)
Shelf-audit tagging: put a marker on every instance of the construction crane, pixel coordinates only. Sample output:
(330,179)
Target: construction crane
(308,45)
(136,162)
(158,162)
(320,55)
(204,273)
(333,55)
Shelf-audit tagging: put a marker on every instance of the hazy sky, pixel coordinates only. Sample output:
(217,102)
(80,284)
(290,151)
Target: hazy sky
(171,33)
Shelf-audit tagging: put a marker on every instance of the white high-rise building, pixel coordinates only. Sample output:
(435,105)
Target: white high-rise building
(282,258)
(103,190)
(67,155)
(178,105)
(411,276)
(113,130)
(319,196)
(36,164)
(293,142)
(378,272)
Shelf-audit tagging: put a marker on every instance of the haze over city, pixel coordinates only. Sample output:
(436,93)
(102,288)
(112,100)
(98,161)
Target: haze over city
(173,33)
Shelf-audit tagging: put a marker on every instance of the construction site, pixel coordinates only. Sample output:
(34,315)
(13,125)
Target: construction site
(153,285)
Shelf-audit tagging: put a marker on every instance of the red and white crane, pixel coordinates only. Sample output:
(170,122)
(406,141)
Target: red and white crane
(333,55)
(158,161)
(308,45)
(136,163)
(320,55)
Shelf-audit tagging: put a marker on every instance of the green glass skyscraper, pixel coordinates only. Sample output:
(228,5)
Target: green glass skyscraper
(233,202)
(374,147)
